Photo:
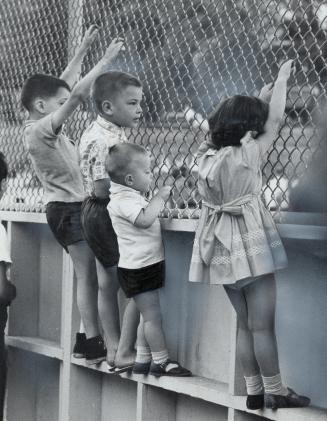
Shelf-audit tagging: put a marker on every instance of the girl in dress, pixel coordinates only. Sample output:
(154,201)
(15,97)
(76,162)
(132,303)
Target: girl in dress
(236,242)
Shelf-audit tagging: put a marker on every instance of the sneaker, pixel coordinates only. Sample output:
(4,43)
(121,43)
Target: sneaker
(169,368)
(254,402)
(95,350)
(291,400)
(141,368)
(79,347)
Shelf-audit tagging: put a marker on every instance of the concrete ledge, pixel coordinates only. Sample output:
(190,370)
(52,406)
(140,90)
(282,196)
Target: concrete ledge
(292,225)
(214,392)
(37,345)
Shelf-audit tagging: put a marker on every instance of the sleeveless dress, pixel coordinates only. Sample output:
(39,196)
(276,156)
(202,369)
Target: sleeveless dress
(236,238)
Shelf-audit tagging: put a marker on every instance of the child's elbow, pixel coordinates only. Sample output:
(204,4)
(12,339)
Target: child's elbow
(142,224)
(77,94)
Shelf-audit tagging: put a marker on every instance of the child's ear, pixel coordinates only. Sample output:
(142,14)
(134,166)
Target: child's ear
(129,181)
(107,107)
(39,105)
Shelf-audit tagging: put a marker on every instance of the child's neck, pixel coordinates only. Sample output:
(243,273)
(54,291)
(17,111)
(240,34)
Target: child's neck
(109,120)
(34,115)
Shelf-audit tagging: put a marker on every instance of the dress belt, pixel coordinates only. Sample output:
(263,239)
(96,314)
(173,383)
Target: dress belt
(219,224)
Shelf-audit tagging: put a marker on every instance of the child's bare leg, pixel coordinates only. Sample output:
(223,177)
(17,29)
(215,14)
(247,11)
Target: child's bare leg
(245,347)
(149,306)
(126,349)
(108,307)
(87,288)
(261,303)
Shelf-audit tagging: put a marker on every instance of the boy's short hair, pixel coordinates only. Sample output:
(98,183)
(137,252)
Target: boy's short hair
(120,159)
(109,84)
(234,117)
(3,168)
(40,86)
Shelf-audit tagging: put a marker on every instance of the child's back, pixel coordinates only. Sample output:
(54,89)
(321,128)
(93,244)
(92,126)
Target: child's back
(55,161)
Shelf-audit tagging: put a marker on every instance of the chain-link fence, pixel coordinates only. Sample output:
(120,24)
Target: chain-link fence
(189,54)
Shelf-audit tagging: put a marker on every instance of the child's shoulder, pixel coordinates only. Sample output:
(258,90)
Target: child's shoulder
(41,129)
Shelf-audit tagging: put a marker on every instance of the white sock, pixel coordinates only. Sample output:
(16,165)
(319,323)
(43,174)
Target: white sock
(160,356)
(143,354)
(254,385)
(274,386)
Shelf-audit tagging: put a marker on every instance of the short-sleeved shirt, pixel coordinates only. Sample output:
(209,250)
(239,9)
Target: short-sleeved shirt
(55,160)
(138,247)
(4,246)
(93,149)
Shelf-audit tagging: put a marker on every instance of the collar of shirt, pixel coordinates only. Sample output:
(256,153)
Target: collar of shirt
(116,188)
(111,127)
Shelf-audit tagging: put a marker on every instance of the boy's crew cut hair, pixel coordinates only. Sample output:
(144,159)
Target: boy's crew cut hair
(40,86)
(108,85)
(3,167)
(120,159)
(234,117)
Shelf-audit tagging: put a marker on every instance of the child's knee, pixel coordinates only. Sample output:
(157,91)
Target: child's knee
(260,325)
(152,315)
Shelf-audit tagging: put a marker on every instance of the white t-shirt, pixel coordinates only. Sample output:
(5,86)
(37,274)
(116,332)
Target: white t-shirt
(4,245)
(138,247)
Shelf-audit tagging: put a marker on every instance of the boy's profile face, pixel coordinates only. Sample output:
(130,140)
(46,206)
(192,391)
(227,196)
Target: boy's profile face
(141,174)
(126,108)
(52,103)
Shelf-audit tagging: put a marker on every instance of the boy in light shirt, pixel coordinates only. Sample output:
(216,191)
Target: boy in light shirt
(141,266)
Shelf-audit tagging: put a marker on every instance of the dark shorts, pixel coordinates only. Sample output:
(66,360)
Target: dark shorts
(136,281)
(98,231)
(64,220)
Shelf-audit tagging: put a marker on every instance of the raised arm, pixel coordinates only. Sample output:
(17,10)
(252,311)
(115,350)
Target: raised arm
(81,90)
(149,214)
(276,107)
(72,72)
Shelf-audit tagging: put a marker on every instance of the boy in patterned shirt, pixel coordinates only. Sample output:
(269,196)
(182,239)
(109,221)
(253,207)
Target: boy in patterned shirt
(117,97)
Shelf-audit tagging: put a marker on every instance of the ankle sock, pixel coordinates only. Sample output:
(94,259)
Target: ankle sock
(274,386)
(143,354)
(254,385)
(160,356)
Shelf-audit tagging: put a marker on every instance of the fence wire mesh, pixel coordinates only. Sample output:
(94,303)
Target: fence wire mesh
(189,54)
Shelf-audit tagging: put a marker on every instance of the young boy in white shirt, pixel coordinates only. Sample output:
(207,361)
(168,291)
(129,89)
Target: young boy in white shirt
(7,289)
(141,266)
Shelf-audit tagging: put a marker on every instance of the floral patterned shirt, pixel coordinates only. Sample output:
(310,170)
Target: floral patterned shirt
(93,149)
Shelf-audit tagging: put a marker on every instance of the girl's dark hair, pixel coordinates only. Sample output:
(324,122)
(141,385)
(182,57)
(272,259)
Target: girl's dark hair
(234,117)
(3,167)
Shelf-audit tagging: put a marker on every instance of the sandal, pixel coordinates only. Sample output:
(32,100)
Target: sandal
(125,369)
(169,368)
(111,366)
(291,400)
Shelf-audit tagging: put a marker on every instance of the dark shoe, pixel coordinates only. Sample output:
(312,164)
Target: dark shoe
(141,368)
(95,350)
(79,347)
(169,368)
(254,402)
(292,400)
